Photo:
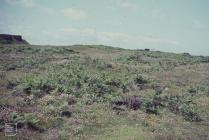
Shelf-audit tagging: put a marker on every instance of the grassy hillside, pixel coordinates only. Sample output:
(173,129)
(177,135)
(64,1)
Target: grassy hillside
(103,93)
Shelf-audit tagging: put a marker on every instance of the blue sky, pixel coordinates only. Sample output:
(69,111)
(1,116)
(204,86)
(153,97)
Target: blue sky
(166,25)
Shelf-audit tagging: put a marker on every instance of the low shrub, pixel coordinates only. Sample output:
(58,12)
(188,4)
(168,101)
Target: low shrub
(181,105)
(152,106)
(130,102)
(11,84)
(135,103)
(140,80)
(66,113)
(37,85)
(193,90)
(25,119)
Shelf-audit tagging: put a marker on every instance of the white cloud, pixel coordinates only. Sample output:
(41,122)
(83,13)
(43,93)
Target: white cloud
(115,38)
(30,4)
(76,14)
(24,3)
(46,9)
(198,24)
(157,40)
(67,36)
(69,30)
(75,31)
(125,4)
(157,14)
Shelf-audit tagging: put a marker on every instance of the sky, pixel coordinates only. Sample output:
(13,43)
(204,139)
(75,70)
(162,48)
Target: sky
(164,25)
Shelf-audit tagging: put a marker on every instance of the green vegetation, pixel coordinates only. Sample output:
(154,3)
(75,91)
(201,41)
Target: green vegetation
(99,92)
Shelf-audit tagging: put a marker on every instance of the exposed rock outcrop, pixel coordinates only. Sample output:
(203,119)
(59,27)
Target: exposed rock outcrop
(12,39)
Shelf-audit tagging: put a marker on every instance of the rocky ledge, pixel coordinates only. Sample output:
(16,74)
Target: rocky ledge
(12,39)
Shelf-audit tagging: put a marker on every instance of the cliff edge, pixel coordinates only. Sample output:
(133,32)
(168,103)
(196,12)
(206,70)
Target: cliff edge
(12,39)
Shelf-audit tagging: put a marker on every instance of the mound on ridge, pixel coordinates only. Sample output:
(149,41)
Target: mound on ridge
(12,39)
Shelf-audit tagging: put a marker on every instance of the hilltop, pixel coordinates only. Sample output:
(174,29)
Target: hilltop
(99,92)
(12,39)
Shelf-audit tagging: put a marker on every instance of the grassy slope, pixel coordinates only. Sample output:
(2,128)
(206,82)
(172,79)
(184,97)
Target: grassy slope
(98,92)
